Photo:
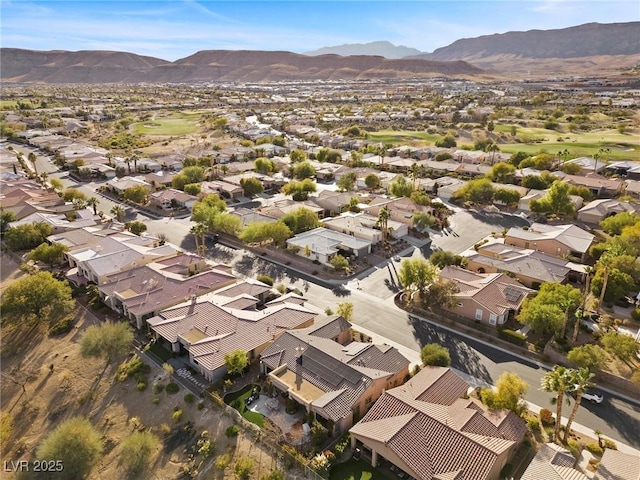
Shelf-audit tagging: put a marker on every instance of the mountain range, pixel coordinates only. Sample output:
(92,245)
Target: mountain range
(383,49)
(588,48)
(30,66)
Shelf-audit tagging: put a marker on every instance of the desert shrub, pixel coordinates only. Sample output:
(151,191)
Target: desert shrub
(635,378)
(534,424)
(574,447)
(189,398)
(610,444)
(62,326)
(158,387)
(265,279)
(155,400)
(635,314)
(131,368)
(222,461)
(594,448)
(200,405)
(243,467)
(177,415)
(172,388)
(205,445)
(546,417)
(165,429)
(231,431)
(138,450)
(141,386)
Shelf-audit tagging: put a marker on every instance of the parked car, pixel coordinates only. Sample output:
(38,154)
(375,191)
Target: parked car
(589,396)
(593,397)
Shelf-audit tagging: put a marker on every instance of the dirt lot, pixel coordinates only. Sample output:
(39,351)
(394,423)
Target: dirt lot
(60,384)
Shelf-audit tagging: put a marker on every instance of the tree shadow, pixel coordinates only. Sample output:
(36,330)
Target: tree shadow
(341,291)
(500,219)
(626,425)
(463,357)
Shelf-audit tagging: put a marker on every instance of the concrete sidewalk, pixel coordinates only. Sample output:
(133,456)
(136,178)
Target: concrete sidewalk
(414,359)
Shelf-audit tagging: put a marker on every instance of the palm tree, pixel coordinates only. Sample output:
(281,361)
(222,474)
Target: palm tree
(581,381)
(118,212)
(198,231)
(580,312)
(492,148)
(43,177)
(383,218)
(32,158)
(559,381)
(413,172)
(93,202)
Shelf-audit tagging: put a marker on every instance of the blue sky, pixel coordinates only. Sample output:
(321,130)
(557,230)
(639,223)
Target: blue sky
(178,28)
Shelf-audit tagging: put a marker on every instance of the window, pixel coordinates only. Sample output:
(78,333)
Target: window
(478,314)
(501,319)
(492,319)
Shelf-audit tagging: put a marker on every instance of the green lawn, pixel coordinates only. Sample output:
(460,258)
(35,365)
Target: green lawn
(236,400)
(166,126)
(402,136)
(356,470)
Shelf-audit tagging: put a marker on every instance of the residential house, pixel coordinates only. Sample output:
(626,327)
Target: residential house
(335,379)
(333,202)
(448,186)
(529,267)
(223,189)
(170,199)
(489,298)
(364,226)
(556,240)
(119,186)
(587,164)
(402,209)
(599,186)
(428,431)
(114,253)
(553,462)
(322,244)
(617,465)
(61,222)
(525,200)
(207,331)
(24,197)
(632,188)
(248,215)
(142,292)
(473,170)
(280,208)
(597,210)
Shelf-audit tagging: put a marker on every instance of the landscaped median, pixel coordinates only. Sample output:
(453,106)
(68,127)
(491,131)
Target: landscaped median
(238,399)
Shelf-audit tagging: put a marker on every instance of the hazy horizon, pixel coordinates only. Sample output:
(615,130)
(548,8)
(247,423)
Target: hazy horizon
(176,29)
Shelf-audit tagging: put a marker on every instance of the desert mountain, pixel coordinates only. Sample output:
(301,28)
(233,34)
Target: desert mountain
(382,49)
(585,47)
(212,65)
(57,66)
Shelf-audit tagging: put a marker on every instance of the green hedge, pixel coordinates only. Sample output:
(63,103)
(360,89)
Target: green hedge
(513,337)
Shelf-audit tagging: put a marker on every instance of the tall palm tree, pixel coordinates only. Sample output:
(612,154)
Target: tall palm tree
(579,313)
(93,202)
(382,222)
(413,172)
(581,381)
(492,148)
(198,231)
(118,212)
(558,381)
(32,158)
